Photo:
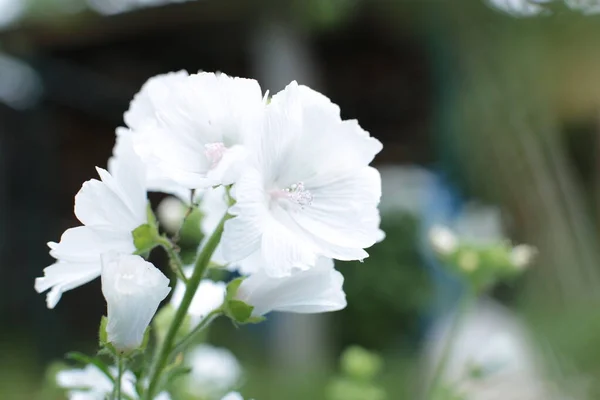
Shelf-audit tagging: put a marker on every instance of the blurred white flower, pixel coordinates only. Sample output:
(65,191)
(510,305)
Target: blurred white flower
(209,296)
(193,128)
(522,255)
(520,8)
(233,396)
(171,212)
(307,190)
(89,383)
(442,239)
(11,11)
(316,290)
(133,289)
(493,341)
(110,210)
(214,371)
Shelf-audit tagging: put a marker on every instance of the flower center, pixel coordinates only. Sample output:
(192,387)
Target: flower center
(296,193)
(214,152)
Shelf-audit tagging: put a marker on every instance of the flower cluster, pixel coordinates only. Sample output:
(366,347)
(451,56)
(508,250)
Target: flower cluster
(283,184)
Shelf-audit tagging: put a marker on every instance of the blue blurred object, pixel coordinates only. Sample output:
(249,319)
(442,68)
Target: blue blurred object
(443,203)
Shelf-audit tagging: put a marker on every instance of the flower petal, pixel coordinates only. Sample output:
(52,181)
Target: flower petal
(316,290)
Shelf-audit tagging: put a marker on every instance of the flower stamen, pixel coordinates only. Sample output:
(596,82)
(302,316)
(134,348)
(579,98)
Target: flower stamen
(214,152)
(296,193)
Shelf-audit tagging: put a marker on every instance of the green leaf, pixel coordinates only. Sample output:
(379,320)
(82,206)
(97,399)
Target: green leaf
(85,360)
(232,288)
(239,311)
(145,340)
(144,237)
(150,216)
(102,334)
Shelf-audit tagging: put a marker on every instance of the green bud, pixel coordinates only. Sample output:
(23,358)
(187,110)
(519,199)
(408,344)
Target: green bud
(360,364)
(144,237)
(239,311)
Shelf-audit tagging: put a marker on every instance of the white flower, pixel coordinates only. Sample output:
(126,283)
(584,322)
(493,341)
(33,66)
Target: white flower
(233,396)
(171,212)
(194,128)
(89,383)
(209,296)
(133,289)
(307,190)
(214,372)
(442,239)
(496,342)
(110,210)
(156,180)
(316,290)
(522,255)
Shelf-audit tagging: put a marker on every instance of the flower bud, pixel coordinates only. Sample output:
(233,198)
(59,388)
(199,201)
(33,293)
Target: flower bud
(133,289)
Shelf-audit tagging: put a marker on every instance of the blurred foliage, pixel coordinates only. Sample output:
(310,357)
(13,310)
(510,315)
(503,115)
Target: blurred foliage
(388,292)
(357,381)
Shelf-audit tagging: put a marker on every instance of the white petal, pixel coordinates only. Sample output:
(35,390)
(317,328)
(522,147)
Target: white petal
(142,109)
(242,234)
(63,276)
(201,109)
(86,244)
(316,290)
(214,372)
(155,180)
(340,212)
(313,143)
(133,289)
(282,250)
(120,204)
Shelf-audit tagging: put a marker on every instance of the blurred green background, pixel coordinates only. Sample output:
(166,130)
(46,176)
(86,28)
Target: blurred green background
(494,101)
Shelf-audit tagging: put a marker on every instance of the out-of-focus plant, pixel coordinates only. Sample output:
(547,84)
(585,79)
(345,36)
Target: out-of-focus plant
(357,380)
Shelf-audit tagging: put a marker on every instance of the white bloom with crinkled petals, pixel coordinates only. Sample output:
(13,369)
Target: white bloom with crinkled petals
(110,209)
(214,371)
(133,289)
(307,190)
(194,128)
(316,290)
(89,383)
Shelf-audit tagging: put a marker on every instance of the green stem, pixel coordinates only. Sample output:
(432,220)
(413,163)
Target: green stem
(120,369)
(189,338)
(174,258)
(467,299)
(162,356)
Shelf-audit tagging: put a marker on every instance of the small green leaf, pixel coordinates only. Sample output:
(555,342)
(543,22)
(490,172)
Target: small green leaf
(150,216)
(102,334)
(239,311)
(144,237)
(145,340)
(232,288)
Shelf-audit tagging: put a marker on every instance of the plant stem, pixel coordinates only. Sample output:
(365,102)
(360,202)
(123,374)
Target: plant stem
(162,356)
(183,343)
(120,369)
(174,258)
(466,300)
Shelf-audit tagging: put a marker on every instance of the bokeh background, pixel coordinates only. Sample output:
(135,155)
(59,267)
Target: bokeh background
(495,102)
